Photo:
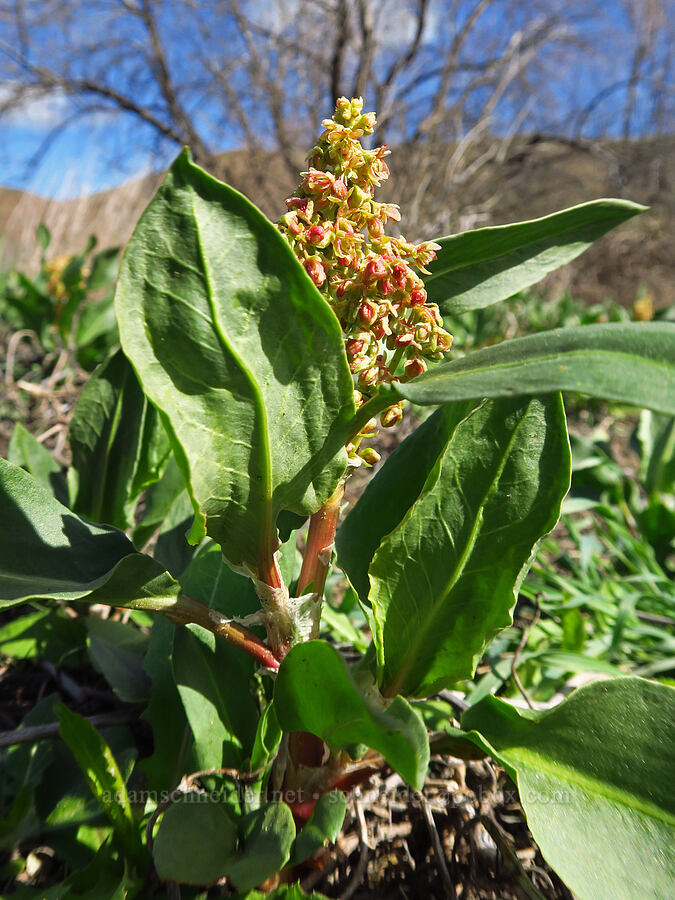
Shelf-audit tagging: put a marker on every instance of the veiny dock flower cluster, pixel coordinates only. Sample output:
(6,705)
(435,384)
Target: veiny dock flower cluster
(337,231)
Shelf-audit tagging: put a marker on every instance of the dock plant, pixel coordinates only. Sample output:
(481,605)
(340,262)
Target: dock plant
(259,362)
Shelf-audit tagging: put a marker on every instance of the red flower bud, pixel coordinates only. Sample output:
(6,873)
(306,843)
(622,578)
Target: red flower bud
(417,297)
(403,340)
(374,269)
(315,270)
(385,286)
(367,312)
(354,346)
(391,416)
(302,204)
(369,377)
(340,189)
(414,368)
(375,228)
(294,225)
(316,234)
(400,274)
(378,329)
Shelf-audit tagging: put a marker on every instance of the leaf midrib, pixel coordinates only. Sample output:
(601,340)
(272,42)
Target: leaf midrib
(483,259)
(264,455)
(470,544)
(607,791)
(435,376)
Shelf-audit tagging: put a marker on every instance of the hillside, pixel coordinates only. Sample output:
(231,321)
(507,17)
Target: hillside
(539,177)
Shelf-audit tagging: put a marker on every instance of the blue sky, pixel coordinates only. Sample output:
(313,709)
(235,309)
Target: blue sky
(105,148)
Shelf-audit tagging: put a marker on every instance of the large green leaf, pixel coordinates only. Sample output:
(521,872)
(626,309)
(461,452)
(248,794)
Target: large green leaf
(195,839)
(266,837)
(595,777)
(47,551)
(197,842)
(103,776)
(631,363)
(172,737)
(118,443)
(316,692)
(212,676)
(237,348)
(474,269)
(439,541)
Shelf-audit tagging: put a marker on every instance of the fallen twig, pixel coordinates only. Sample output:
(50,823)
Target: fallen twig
(34,733)
(439,853)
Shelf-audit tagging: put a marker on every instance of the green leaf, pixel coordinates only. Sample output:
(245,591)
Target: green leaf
(158,501)
(443,535)
(475,269)
(64,799)
(172,549)
(323,825)
(656,436)
(194,841)
(197,842)
(96,332)
(630,363)
(316,692)
(213,682)
(265,748)
(267,835)
(212,676)
(595,781)
(267,739)
(119,445)
(103,776)
(116,651)
(46,634)
(105,876)
(26,451)
(48,552)
(44,236)
(240,352)
(172,738)
(104,268)
(341,628)
(283,892)
(23,768)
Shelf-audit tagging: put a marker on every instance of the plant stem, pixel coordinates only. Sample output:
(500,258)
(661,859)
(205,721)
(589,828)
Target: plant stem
(316,561)
(368,411)
(187,610)
(305,749)
(396,359)
(268,570)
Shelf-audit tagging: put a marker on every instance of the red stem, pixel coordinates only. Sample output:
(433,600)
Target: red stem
(190,610)
(320,537)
